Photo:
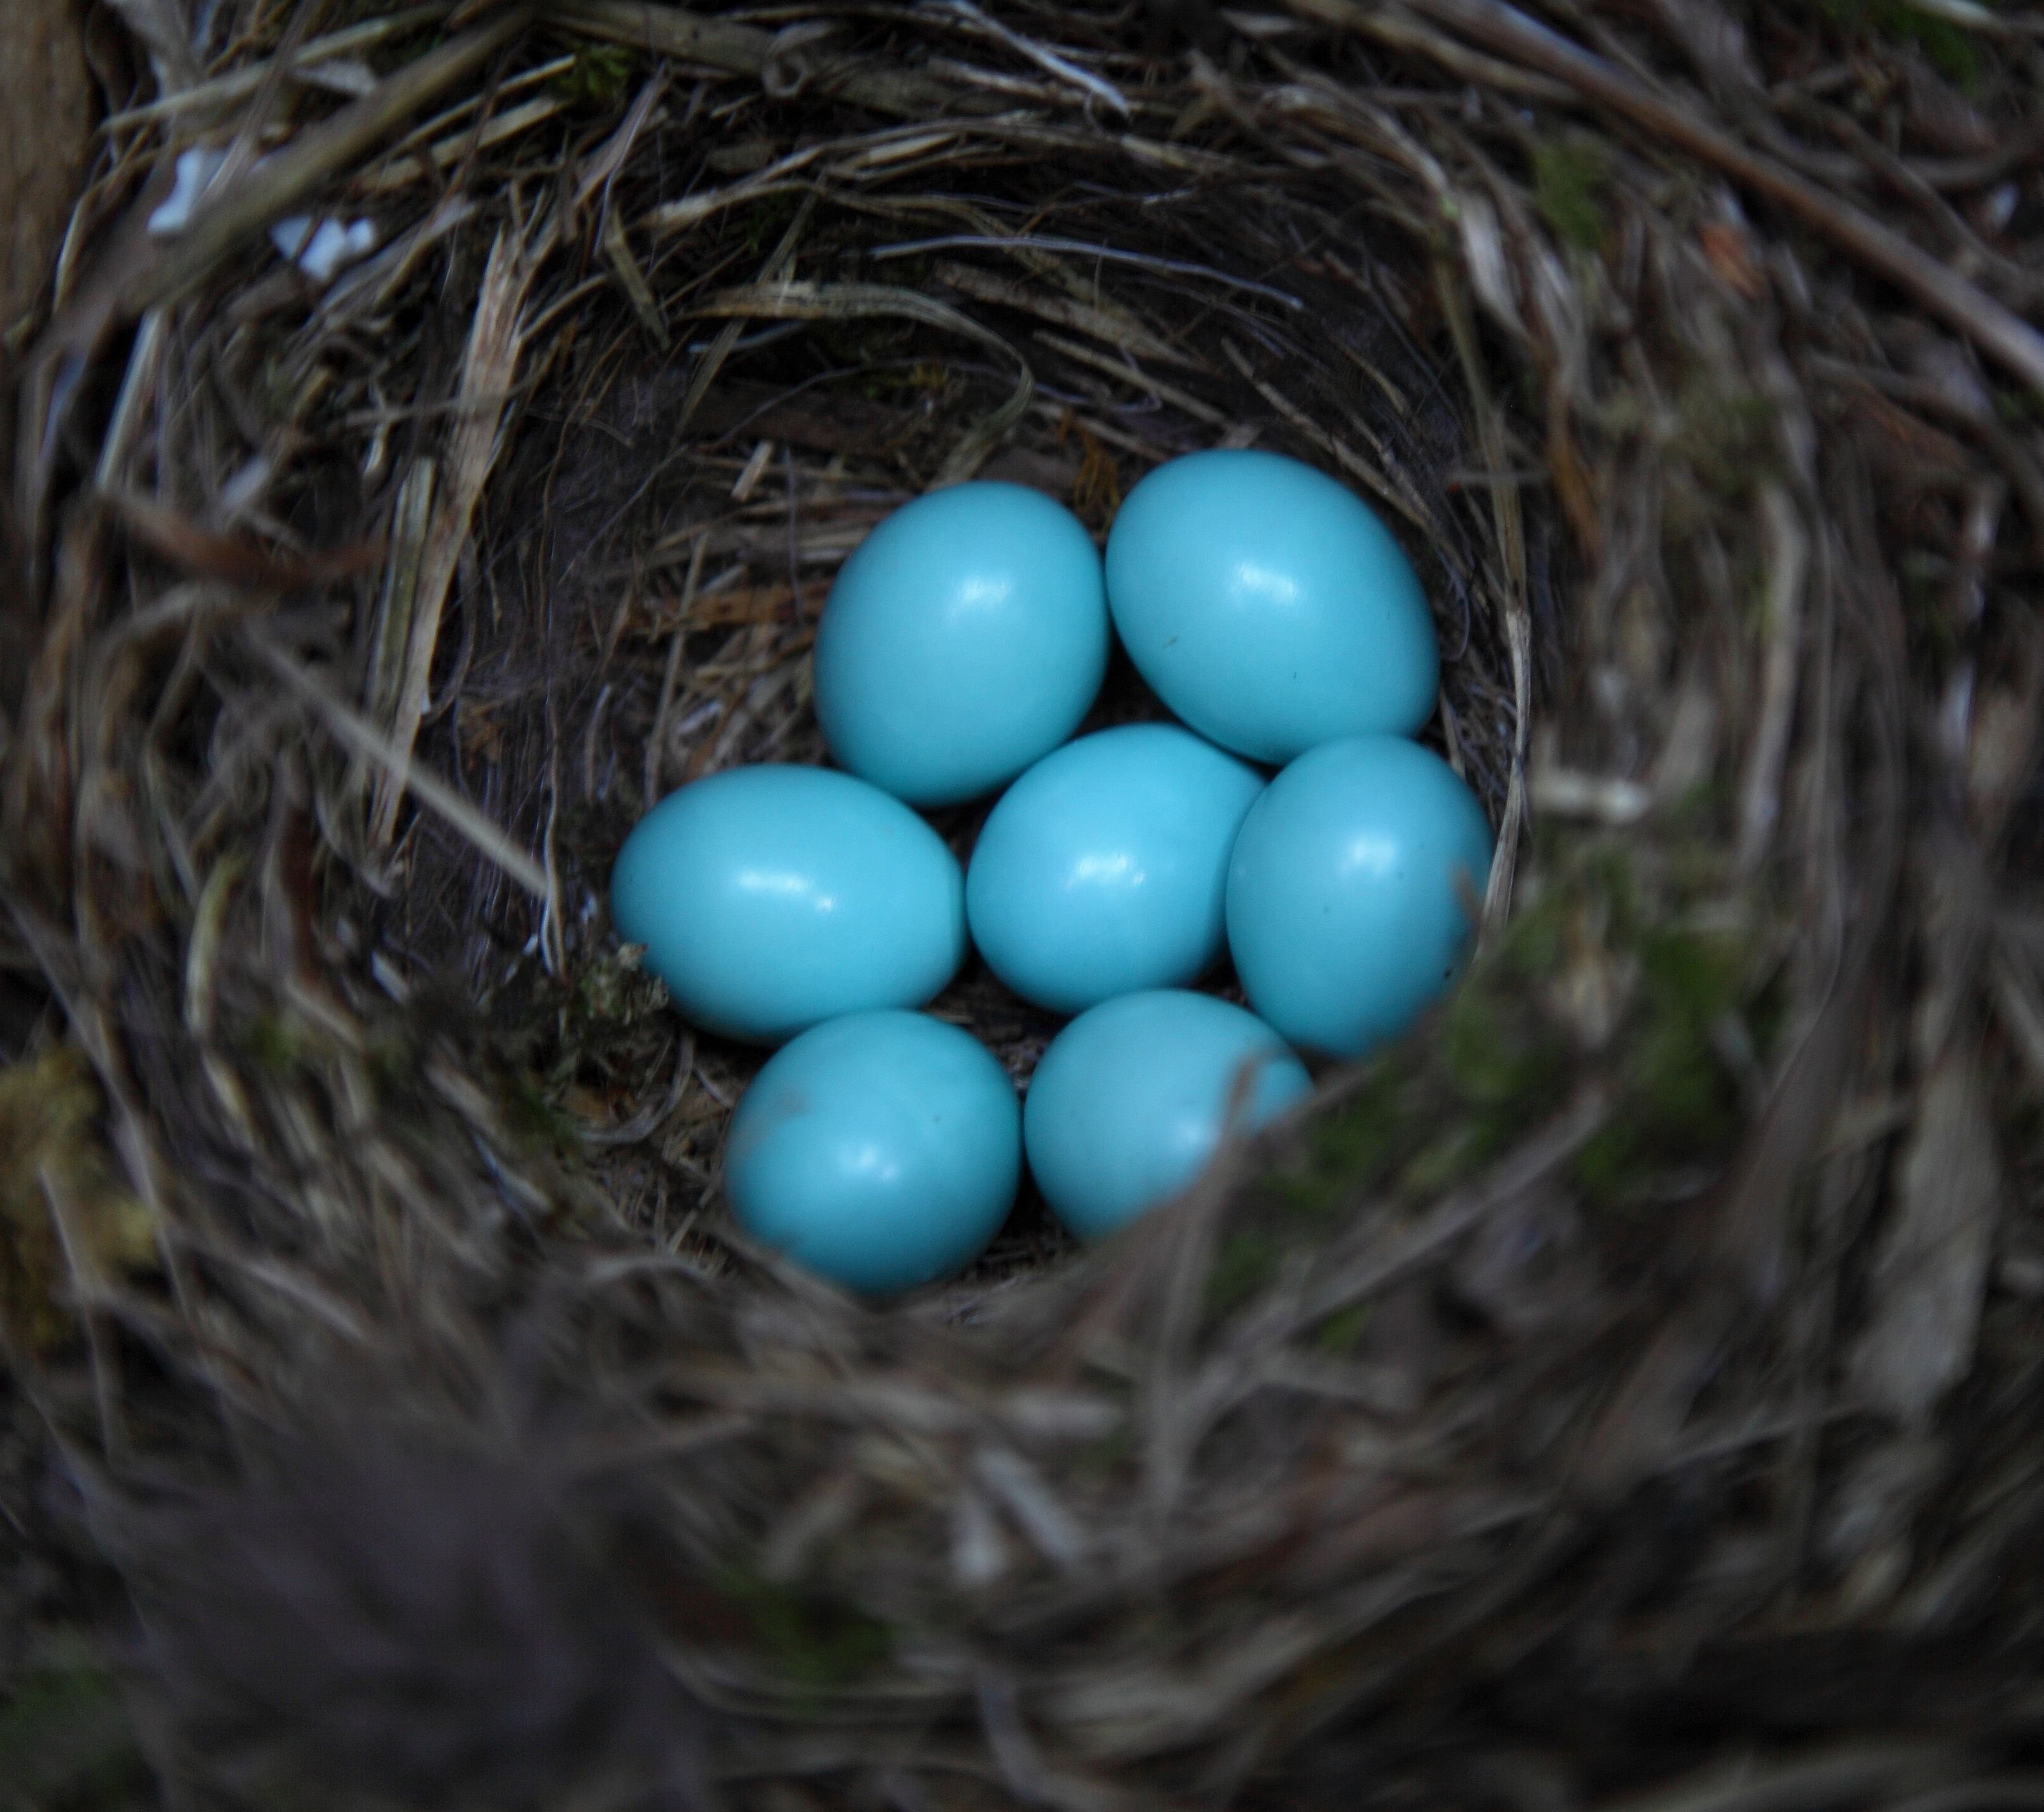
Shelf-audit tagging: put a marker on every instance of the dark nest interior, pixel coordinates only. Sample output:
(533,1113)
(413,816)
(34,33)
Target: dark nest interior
(1629,1390)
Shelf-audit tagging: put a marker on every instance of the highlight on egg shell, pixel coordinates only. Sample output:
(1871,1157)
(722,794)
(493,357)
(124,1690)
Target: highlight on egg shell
(1104,869)
(965,636)
(882,1151)
(771,898)
(1349,893)
(1131,1101)
(1268,606)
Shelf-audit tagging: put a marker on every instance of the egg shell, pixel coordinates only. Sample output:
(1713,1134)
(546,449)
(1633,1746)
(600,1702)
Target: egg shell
(1104,868)
(966,636)
(771,898)
(1131,1101)
(1346,893)
(881,1150)
(1268,606)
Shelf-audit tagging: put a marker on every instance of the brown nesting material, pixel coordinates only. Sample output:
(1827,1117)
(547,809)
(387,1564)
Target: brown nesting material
(1628,1389)
(46,98)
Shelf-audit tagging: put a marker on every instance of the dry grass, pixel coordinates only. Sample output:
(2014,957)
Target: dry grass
(1628,1390)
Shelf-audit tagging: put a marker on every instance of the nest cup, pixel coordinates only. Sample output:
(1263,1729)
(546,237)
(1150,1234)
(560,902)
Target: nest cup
(1645,1340)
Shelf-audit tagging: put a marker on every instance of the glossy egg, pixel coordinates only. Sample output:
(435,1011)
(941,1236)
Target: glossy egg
(1132,1100)
(881,1150)
(771,898)
(1268,606)
(1104,868)
(1349,890)
(966,637)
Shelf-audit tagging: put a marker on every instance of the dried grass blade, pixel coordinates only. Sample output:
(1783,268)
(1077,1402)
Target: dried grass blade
(234,559)
(1849,1775)
(1508,520)
(1136,378)
(456,147)
(1385,1260)
(1930,1276)
(668,31)
(496,341)
(1787,548)
(1111,330)
(1040,253)
(411,519)
(487,838)
(854,301)
(316,154)
(602,165)
(2020,1004)
(165,36)
(1046,59)
(618,251)
(238,85)
(744,50)
(712,361)
(1995,329)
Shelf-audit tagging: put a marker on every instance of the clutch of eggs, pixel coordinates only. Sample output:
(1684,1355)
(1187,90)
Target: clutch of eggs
(961,647)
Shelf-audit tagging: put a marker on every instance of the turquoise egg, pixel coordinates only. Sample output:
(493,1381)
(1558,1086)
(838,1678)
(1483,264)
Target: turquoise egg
(1268,606)
(1132,1100)
(1347,893)
(1104,868)
(965,636)
(770,898)
(881,1150)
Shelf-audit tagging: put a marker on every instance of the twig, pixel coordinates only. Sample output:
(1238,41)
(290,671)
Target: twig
(1788,554)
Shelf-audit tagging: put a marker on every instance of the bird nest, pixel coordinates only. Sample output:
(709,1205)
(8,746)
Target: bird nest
(1625,1389)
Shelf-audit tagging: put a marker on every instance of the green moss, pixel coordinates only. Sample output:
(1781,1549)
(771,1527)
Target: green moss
(599,80)
(65,1739)
(532,1118)
(1695,974)
(1607,1165)
(767,221)
(1248,1260)
(274,1043)
(2019,409)
(391,1062)
(1342,1331)
(1498,1056)
(1954,50)
(1571,188)
(1103,1458)
(814,1641)
(1458,1153)
(52,1151)
(1728,439)
(1358,1143)
(1680,1101)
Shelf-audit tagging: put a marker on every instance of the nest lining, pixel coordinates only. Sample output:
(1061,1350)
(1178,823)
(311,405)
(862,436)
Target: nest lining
(1633,1365)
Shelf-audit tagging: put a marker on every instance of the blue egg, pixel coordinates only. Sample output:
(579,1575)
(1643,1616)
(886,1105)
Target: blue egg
(1349,890)
(1268,606)
(771,898)
(966,637)
(1131,1101)
(1104,868)
(882,1151)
